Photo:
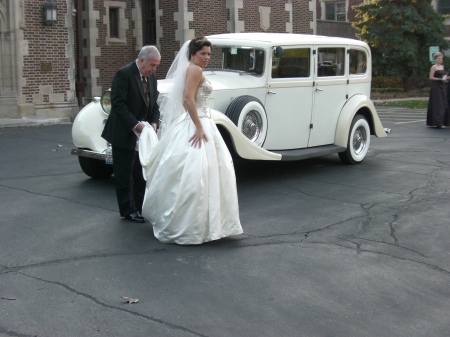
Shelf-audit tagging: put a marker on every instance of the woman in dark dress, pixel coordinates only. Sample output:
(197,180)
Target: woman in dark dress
(438,113)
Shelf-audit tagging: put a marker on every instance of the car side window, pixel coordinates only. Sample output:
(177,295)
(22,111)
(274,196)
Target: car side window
(358,62)
(331,62)
(293,63)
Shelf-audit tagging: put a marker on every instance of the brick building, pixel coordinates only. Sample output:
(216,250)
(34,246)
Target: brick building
(52,70)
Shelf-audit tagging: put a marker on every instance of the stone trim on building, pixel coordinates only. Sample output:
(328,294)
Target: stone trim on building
(234,25)
(183,17)
(91,51)
(136,19)
(12,47)
(288,8)
(312,6)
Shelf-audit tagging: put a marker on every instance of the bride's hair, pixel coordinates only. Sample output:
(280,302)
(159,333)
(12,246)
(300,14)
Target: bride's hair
(197,43)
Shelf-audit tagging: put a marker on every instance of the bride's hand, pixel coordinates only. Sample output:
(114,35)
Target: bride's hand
(197,138)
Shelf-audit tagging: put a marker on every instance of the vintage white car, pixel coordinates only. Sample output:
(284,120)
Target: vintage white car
(276,97)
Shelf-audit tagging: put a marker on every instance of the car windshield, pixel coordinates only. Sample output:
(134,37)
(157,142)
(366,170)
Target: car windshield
(245,60)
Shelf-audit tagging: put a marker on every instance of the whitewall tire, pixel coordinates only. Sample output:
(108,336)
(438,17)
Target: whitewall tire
(358,141)
(249,115)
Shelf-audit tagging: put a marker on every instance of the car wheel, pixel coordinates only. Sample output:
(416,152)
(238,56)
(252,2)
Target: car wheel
(248,113)
(358,141)
(95,168)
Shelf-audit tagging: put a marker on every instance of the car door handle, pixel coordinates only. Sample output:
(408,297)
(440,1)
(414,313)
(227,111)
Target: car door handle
(318,89)
(270,92)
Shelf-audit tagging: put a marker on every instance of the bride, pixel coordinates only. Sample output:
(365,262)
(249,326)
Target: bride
(191,195)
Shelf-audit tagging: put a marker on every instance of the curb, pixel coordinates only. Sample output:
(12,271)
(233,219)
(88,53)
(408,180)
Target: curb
(24,121)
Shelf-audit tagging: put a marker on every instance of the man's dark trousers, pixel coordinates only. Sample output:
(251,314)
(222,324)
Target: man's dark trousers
(128,178)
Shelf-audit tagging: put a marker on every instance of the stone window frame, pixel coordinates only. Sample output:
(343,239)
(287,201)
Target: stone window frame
(323,9)
(122,22)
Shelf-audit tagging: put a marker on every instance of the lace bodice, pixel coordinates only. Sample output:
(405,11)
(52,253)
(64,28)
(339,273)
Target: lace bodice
(202,98)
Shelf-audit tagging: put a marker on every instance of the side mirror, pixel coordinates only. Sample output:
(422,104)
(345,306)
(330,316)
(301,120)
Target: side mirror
(105,101)
(278,51)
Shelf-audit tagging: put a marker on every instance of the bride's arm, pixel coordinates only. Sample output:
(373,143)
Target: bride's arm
(194,77)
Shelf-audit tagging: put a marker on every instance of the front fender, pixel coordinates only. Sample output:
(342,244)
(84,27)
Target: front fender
(88,127)
(244,147)
(358,104)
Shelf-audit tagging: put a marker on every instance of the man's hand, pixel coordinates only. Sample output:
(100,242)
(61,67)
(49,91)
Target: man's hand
(154,126)
(139,127)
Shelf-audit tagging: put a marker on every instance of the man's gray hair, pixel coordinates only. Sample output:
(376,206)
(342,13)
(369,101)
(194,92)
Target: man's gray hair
(147,52)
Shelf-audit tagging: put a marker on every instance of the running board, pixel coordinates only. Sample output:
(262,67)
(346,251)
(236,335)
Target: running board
(310,152)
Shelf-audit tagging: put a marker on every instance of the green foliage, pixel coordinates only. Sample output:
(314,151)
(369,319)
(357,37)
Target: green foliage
(386,90)
(412,104)
(386,82)
(400,33)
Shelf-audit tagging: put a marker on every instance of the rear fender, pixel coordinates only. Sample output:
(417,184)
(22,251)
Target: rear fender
(362,105)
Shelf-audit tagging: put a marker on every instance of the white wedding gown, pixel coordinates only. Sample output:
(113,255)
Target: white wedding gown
(191,195)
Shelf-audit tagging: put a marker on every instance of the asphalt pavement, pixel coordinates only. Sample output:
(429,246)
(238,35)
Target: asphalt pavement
(328,249)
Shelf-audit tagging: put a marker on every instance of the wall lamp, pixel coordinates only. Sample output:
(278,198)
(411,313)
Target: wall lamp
(50,13)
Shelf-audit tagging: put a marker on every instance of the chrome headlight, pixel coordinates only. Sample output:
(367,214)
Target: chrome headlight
(105,101)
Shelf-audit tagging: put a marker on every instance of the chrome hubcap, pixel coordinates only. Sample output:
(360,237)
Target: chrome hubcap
(251,125)
(359,140)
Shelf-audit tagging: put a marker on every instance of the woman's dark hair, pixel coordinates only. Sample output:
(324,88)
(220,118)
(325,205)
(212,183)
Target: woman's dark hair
(197,44)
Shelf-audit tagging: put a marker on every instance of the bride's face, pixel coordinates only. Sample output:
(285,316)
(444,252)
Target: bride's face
(202,57)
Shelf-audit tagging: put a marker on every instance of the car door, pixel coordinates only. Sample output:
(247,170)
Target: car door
(289,99)
(329,92)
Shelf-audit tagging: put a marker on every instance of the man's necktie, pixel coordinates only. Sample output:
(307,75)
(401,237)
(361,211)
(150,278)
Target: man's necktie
(144,83)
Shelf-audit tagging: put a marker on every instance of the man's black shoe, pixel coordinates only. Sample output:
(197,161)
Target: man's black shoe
(136,217)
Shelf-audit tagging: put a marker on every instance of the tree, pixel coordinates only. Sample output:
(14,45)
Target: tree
(400,33)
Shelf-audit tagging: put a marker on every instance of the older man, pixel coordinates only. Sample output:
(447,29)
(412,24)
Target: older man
(133,97)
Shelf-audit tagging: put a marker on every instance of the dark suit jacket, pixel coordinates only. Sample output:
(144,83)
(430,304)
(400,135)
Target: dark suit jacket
(128,106)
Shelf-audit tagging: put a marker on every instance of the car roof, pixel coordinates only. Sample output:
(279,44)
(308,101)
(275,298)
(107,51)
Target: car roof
(277,39)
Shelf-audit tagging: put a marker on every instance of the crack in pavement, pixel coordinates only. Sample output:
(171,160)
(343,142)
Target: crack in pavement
(8,270)
(60,198)
(432,266)
(109,306)
(23,177)
(390,244)
(13,333)
(407,162)
(337,184)
(392,231)
(357,244)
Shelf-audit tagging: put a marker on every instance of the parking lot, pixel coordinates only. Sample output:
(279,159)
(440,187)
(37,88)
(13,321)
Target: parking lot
(327,250)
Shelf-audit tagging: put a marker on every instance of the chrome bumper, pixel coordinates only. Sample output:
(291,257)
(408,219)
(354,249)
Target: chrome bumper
(89,154)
